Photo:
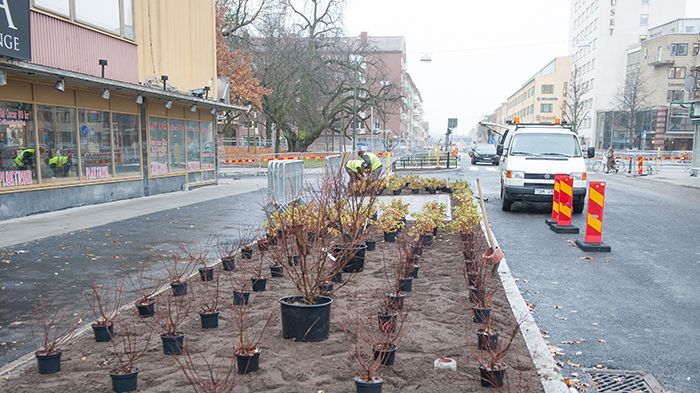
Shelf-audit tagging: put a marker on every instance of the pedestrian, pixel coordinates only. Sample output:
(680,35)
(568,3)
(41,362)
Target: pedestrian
(610,156)
(371,162)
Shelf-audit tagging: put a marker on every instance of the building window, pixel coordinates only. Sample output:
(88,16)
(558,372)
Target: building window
(112,16)
(158,146)
(674,95)
(676,73)
(95,144)
(546,108)
(645,2)
(696,49)
(208,145)
(127,149)
(644,20)
(178,159)
(660,54)
(58,138)
(194,153)
(547,89)
(679,49)
(18,155)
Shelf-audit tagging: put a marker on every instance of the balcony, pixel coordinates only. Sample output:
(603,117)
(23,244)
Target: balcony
(661,62)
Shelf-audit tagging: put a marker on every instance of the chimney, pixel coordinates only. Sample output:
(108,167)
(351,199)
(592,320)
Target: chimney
(363,38)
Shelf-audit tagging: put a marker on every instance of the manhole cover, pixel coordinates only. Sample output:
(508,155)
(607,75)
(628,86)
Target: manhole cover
(624,381)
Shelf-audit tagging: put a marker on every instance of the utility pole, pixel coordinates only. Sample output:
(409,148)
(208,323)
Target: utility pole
(451,125)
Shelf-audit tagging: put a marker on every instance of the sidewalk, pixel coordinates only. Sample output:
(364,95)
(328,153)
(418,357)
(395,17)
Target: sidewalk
(674,178)
(43,225)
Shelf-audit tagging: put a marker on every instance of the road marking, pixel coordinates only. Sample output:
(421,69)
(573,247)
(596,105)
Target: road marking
(473,168)
(491,169)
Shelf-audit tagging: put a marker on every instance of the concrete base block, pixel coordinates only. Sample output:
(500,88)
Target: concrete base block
(595,247)
(563,228)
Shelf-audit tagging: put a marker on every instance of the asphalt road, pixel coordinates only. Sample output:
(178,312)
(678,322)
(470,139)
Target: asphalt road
(60,268)
(636,308)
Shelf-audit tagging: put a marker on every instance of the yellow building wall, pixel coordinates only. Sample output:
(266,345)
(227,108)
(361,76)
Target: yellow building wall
(177,38)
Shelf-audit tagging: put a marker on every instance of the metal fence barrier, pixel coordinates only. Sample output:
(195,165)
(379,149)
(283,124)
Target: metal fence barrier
(425,161)
(285,181)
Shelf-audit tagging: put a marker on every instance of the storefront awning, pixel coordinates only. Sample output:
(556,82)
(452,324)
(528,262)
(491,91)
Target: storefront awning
(88,81)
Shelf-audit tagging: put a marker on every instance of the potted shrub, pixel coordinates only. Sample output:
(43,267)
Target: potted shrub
(199,255)
(247,350)
(127,348)
(172,313)
(227,249)
(247,251)
(431,184)
(208,375)
(178,272)
(487,336)
(56,330)
(395,184)
(367,379)
(258,280)
(492,366)
(146,289)
(207,295)
(241,289)
(104,309)
(415,183)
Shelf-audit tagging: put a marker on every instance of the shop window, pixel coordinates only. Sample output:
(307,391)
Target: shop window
(194,161)
(103,14)
(127,149)
(58,137)
(128,19)
(18,153)
(61,7)
(95,144)
(178,160)
(158,146)
(208,145)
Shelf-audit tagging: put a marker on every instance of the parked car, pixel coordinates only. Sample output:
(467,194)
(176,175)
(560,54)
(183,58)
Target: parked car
(484,152)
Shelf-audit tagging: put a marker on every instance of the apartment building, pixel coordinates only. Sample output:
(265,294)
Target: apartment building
(600,33)
(101,101)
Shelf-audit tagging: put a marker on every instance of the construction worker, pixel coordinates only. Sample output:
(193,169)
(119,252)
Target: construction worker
(371,162)
(354,169)
(26,158)
(60,164)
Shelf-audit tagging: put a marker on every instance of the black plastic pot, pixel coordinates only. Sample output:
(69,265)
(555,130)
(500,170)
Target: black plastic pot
(492,378)
(396,192)
(247,253)
(229,263)
(146,310)
(371,245)
(481,314)
(426,240)
(172,345)
(447,190)
(406,284)
(417,249)
(394,301)
(240,298)
(368,387)
(386,355)
(432,190)
(259,284)
(179,288)
(103,333)
(206,273)
(414,272)
(293,260)
(49,364)
(326,288)
(305,322)
(390,236)
(415,191)
(487,341)
(125,382)
(338,277)
(276,271)
(477,295)
(435,231)
(210,320)
(355,257)
(248,363)
(387,321)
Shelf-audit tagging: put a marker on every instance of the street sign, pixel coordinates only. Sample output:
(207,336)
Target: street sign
(492,140)
(452,123)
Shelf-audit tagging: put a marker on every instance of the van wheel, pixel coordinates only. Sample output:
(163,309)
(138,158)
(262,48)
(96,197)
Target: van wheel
(473,161)
(506,204)
(578,207)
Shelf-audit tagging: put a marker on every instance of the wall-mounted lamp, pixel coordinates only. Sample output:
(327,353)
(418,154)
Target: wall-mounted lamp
(206,92)
(3,78)
(164,78)
(103,64)
(105,93)
(193,108)
(139,99)
(168,104)
(60,85)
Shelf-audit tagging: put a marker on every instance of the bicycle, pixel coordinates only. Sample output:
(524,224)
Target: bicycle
(600,165)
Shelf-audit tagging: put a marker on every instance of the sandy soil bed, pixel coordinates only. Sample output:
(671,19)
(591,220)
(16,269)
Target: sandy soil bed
(439,325)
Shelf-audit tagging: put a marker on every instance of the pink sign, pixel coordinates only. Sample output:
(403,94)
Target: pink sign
(97,172)
(15,178)
(158,169)
(193,165)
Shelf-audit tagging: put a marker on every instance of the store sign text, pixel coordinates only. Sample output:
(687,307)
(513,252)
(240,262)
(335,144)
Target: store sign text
(613,4)
(15,178)
(97,172)
(14,29)
(158,168)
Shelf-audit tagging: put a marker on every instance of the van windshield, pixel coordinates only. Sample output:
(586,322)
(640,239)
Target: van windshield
(545,145)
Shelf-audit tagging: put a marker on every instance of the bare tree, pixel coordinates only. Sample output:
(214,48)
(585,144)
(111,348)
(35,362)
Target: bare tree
(574,108)
(632,98)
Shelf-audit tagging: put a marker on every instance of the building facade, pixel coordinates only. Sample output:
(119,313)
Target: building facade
(600,33)
(83,116)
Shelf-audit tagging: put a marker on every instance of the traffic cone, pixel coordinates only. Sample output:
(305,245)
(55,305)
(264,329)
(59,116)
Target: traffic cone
(555,202)
(566,201)
(593,241)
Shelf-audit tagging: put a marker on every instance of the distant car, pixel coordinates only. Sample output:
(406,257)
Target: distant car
(484,152)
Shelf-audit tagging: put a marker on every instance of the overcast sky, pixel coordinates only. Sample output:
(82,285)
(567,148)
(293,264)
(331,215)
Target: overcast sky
(482,51)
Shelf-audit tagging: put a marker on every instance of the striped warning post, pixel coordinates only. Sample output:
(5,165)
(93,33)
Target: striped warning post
(555,202)
(566,201)
(593,241)
(237,161)
(280,158)
(640,165)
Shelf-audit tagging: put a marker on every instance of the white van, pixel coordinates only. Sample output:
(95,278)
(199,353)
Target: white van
(531,154)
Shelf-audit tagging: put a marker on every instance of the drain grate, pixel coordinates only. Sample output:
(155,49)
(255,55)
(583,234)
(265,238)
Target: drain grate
(624,381)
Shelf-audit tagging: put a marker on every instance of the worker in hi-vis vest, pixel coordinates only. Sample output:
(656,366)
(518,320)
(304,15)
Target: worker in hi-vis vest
(26,158)
(370,162)
(60,165)
(354,169)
